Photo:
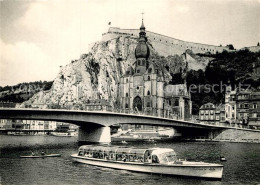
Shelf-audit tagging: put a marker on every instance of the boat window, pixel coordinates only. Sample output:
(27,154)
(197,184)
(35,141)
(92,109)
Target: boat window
(167,157)
(171,157)
(155,159)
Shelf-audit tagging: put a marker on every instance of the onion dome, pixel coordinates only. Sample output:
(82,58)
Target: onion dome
(142,50)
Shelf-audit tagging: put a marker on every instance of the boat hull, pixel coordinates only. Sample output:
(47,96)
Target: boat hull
(205,171)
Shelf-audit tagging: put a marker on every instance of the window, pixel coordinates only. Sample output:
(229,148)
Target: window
(149,70)
(148,78)
(126,105)
(206,117)
(139,62)
(254,115)
(201,117)
(254,106)
(176,103)
(138,71)
(148,104)
(211,117)
(126,80)
(202,111)
(217,117)
(137,87)
(143,62)
(206,111)
(211,112)
(148,93)
(126,94)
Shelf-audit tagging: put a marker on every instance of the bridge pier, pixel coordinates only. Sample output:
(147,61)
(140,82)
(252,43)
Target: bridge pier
(94,134)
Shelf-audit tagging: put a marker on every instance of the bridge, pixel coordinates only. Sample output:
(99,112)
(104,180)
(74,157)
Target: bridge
(94,126)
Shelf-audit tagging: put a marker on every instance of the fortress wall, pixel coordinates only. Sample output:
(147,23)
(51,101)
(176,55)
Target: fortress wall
(163,44)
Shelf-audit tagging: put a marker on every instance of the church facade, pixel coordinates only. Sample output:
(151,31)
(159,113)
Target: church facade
(143,89)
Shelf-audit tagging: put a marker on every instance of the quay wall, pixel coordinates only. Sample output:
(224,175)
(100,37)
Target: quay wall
(163,44)
(239,135)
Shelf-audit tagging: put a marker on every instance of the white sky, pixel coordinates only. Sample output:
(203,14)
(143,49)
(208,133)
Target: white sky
(36,37)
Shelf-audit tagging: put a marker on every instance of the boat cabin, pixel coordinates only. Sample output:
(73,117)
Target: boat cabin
(128,154)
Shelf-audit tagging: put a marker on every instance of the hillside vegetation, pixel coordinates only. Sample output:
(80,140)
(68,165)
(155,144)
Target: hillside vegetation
(233,68)
(23,91)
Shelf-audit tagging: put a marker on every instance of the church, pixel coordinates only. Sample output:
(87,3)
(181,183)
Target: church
(143,88)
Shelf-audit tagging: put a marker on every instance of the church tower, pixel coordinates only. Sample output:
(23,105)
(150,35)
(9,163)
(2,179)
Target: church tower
(142,52)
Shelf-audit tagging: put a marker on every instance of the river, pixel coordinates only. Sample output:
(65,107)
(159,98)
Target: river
(242,165)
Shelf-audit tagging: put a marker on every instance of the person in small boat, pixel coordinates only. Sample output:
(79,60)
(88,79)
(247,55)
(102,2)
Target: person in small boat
(43,153)
(33,154)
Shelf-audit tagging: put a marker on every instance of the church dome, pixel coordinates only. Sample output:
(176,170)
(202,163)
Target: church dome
(142,50)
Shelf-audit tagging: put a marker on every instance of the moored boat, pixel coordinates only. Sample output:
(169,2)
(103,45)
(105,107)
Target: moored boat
(40,156)
(149,160)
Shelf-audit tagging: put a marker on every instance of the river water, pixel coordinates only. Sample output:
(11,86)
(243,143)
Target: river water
(242,165)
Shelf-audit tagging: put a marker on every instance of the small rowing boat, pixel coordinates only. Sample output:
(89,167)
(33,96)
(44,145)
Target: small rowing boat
(41,156)
(149,160)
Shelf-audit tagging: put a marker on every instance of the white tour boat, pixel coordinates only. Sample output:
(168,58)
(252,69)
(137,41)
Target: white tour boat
(148,160)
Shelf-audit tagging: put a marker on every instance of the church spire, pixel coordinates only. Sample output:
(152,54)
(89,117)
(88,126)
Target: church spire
(142,26)
(142,34)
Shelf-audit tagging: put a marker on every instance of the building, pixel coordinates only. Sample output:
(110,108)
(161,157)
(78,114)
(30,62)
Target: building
(254,110)
(143,89)
(241,107)
(220,113)
(208,113)
(97,105)
(244,106)
(230,105)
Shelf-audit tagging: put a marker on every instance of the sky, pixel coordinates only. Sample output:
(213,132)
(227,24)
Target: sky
(39,36)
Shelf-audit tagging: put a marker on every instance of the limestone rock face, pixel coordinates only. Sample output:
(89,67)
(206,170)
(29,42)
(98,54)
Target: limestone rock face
(96,75)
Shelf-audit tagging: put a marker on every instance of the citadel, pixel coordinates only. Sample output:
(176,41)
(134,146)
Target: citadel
(163,44)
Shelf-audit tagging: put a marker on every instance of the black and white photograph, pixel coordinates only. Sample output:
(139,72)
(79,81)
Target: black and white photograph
(131,92)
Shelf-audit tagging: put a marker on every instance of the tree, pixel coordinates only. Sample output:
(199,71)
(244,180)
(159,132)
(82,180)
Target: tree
(230,46)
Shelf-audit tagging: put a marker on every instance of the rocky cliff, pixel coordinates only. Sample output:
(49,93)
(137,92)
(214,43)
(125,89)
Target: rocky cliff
(96,74)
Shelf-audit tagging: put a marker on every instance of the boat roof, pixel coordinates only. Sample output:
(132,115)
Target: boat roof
(158,151)
(124,149)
